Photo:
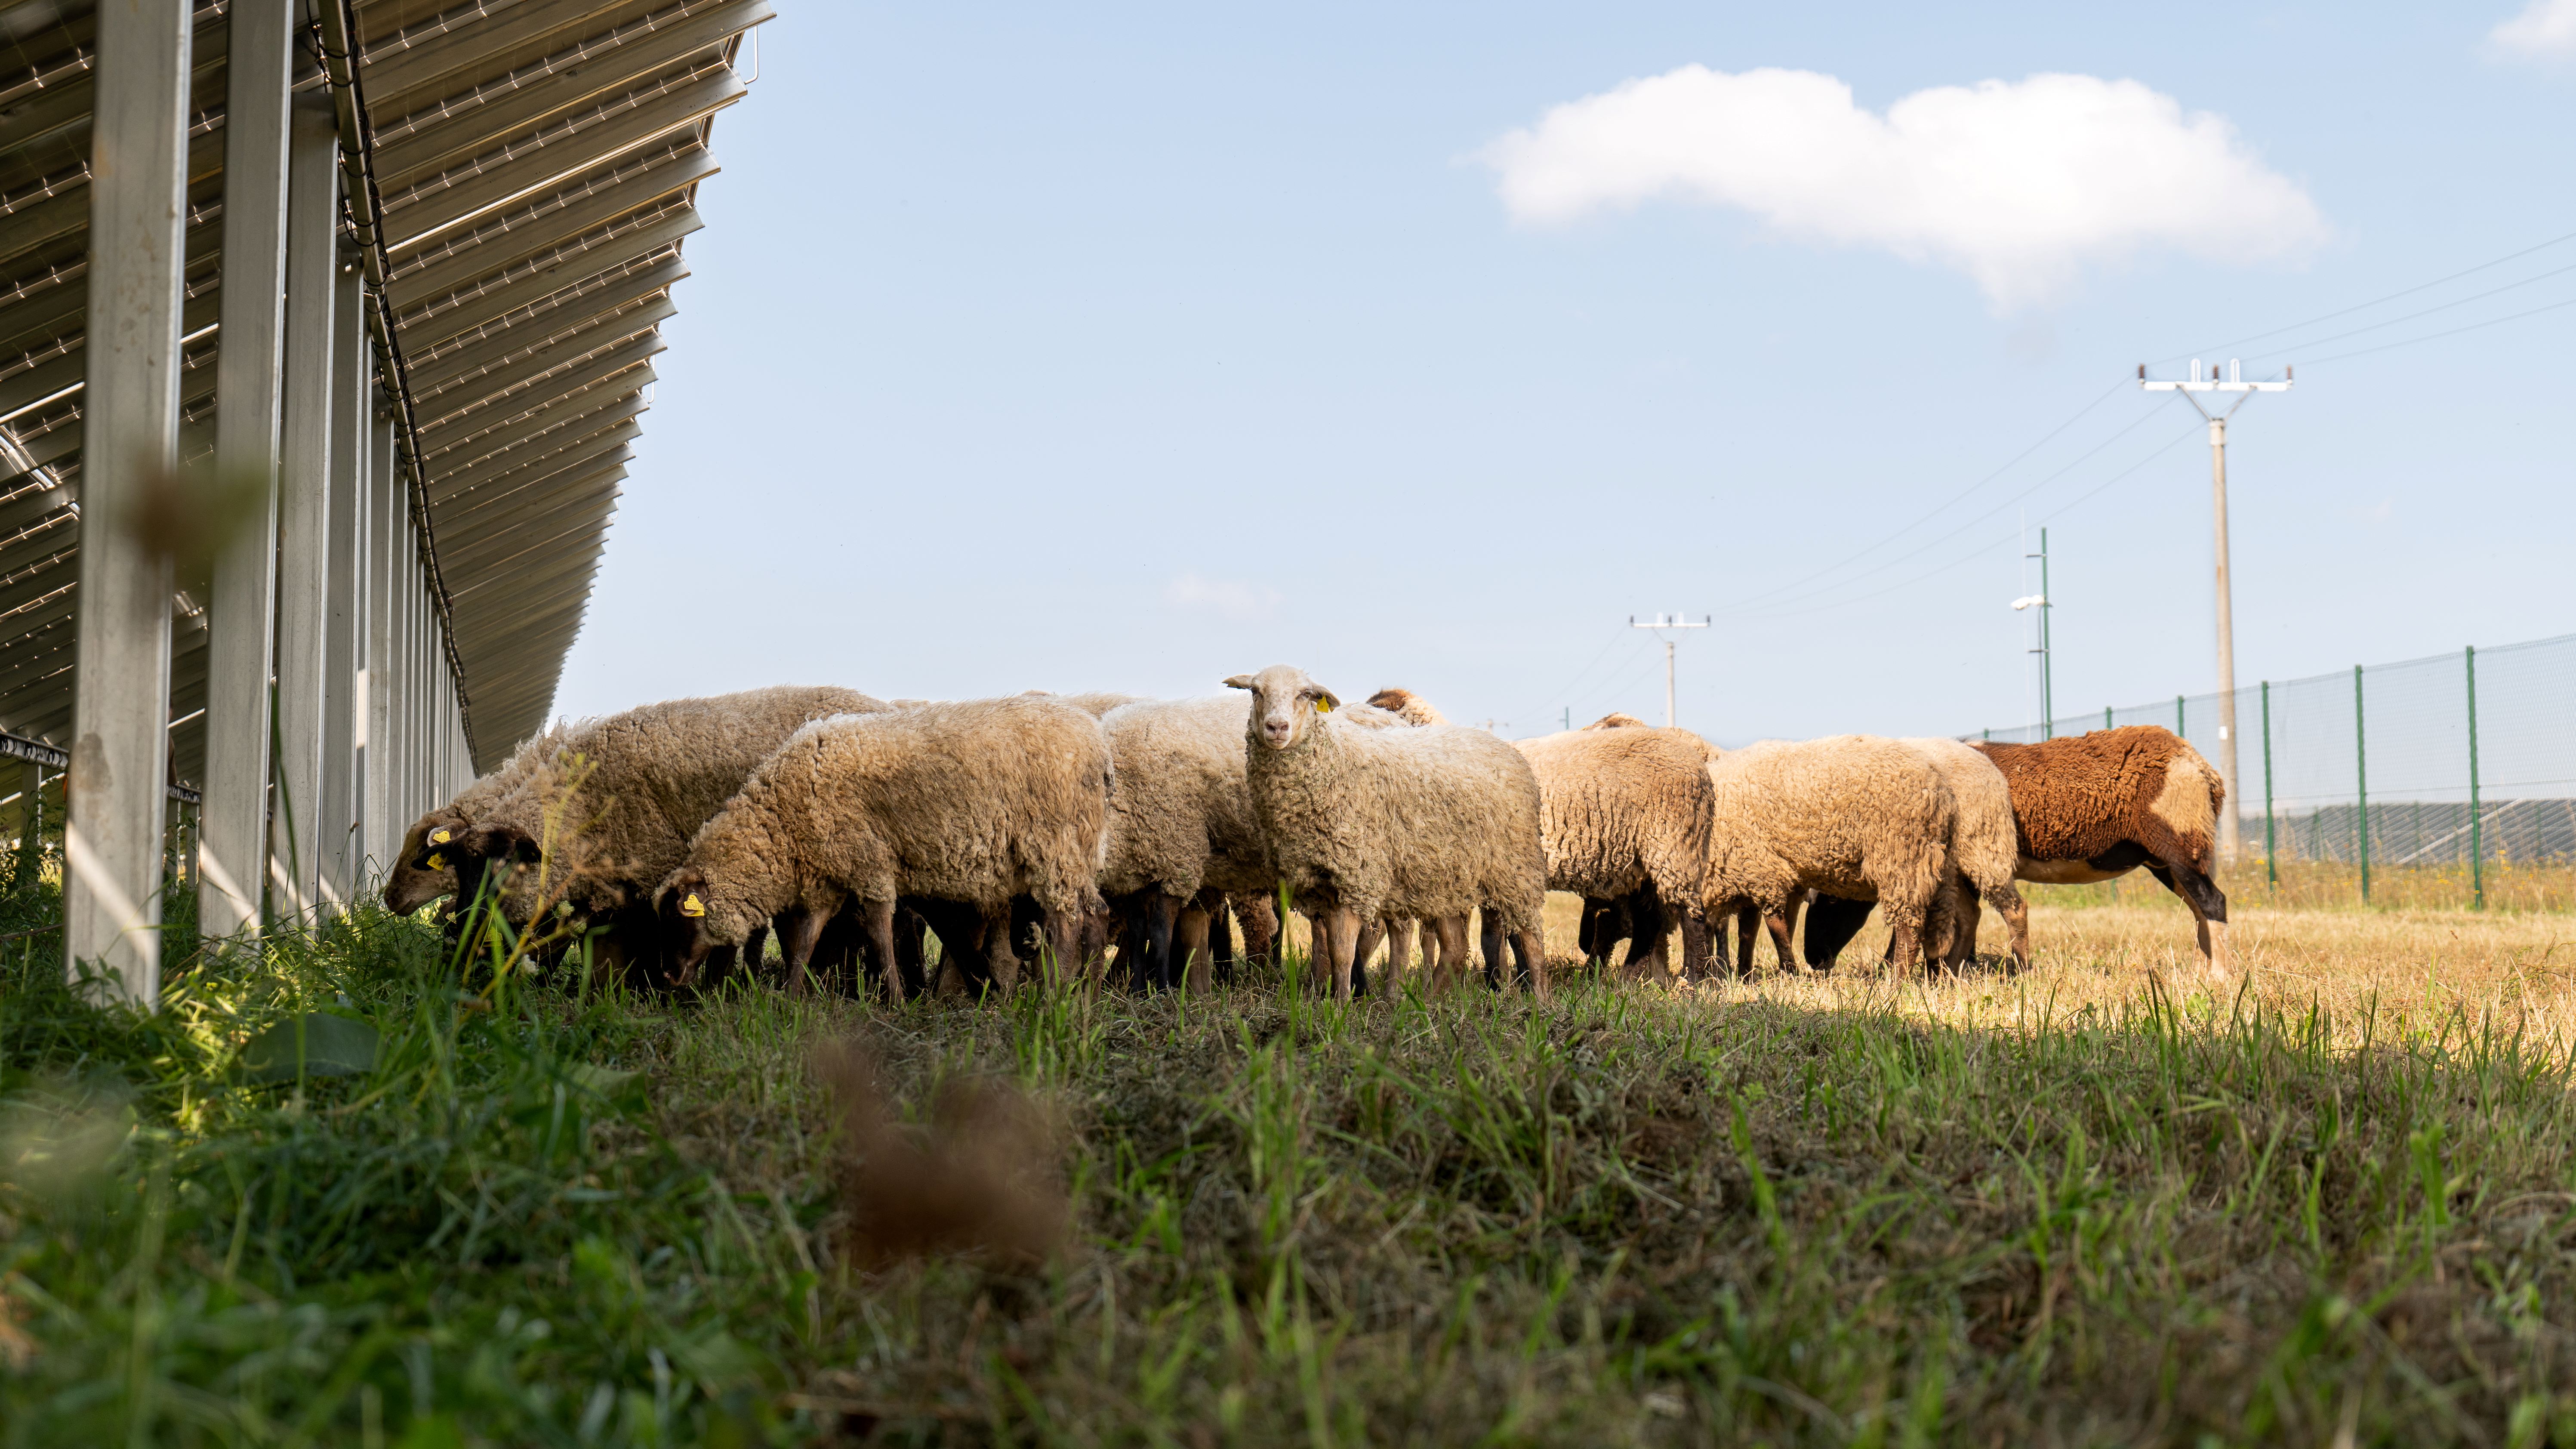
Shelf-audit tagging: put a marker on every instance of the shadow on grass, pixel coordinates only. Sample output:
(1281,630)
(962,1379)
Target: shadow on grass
(1620,1217)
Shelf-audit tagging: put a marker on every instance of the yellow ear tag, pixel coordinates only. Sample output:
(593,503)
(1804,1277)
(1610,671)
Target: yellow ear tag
(1323,706)
(690,905)
(438,837)
(436,861)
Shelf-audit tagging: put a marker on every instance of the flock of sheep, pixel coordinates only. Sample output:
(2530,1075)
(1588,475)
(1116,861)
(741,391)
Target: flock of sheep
(1067,832)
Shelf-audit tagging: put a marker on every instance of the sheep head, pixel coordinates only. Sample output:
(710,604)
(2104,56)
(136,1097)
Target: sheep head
(427,866)
(1285,702)
(688,927)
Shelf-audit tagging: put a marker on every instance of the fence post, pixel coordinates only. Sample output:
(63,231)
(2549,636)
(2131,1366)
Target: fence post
(2178,720)
(2477,841)
(2271,863)
(2361,781)
(2106,716)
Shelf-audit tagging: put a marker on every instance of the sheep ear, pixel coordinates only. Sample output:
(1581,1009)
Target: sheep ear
(1240,681)
(1324,701)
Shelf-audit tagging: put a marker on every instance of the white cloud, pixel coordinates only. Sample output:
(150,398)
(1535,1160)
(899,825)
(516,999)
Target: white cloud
(2545,27)
(2016,184)
(1230,599)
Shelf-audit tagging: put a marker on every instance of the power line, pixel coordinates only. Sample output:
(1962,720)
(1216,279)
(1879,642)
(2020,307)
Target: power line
(1977,554)
(2366,306)
(2437,336)
(2429,311)
(1851,559)
(1568,691)
(2080,459)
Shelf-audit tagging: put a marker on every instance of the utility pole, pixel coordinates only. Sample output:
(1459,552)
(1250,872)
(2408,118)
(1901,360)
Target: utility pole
(2047,659)
(2211,382)
(1672,718)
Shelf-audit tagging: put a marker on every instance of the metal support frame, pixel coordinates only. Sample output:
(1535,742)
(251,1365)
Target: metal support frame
(2361,781)
(344,604)
(2271,861)
(129,449)
(304,496)
(2477,827)
(384,494)
(241,626)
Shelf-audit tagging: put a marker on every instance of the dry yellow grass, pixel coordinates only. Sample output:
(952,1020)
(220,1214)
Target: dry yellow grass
(2371,971)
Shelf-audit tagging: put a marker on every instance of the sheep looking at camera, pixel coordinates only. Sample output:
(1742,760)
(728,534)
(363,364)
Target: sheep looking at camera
(1370,823)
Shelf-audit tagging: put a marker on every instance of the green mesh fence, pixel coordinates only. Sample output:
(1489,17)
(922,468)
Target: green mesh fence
(2462,760)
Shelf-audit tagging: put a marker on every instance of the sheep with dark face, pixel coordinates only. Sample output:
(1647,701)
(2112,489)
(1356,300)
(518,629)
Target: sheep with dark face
(610,811)
(975,804)
(2095,806)
(1370,823)
(426,868)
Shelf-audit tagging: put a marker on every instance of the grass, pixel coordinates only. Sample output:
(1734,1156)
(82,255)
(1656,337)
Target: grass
(2093,1203)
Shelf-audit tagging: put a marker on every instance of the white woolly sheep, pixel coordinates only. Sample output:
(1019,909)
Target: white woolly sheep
(1625,811)
(610,811)
(1851,816)
(1982,858)
(974,803)
(1180,825)
(1368,823)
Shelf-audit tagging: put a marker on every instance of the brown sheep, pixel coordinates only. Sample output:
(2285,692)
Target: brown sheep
(2095,806)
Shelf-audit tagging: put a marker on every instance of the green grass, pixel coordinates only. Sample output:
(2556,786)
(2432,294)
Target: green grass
(1617,1218)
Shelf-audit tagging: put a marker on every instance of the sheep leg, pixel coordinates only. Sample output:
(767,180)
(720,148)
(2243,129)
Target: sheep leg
(1160,912)
(1001,963)
(1748,926)
(1339,936)
(1401,939)
(910,952)
(800,930)
(1220,939)
(1490,939)
(1373,931)
(879,918)
(1530,947)
(1064,929)
(2016,913)
(1904,936)
(755,947)
(1648,945)
(1453,948)
(1189,943)
(1593,936)
(1694,946)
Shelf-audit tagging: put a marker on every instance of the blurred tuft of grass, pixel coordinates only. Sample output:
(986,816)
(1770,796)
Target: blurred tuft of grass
(2096,1202)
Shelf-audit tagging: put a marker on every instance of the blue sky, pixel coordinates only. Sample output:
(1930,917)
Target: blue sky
(1133,347)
